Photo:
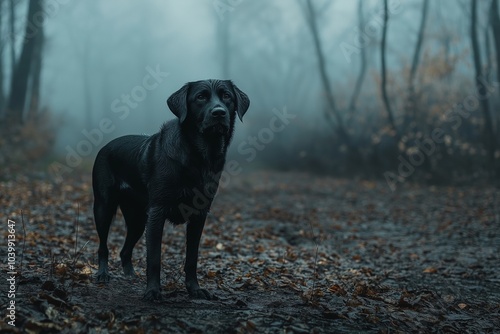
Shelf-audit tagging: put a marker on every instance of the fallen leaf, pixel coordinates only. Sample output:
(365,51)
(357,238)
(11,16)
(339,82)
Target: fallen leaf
(430,270)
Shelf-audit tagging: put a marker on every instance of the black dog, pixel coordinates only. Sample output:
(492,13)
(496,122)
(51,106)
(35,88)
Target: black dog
(164,176)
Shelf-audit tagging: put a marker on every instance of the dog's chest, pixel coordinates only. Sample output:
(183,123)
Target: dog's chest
(194,198)
(205,181)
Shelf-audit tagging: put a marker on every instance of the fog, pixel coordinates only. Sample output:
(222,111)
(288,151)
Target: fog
(118,61)
(99,52)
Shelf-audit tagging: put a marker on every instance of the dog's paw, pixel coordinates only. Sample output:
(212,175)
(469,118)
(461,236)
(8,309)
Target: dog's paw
(102,277)
(152,295)
(199,293)
(128,270)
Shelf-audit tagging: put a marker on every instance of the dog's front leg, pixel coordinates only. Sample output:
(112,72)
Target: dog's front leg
(193,235)
(154,232)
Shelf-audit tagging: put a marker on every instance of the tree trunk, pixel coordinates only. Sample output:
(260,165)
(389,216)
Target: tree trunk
(12,24)
(487,46)
(384,74)
(418,46)
(19,83)
(489,140)
(495,27)
(36,73)
(362,71)
(311,20)
(2,95)
(410,107)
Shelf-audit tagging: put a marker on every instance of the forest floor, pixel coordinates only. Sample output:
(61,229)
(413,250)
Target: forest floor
(282,253)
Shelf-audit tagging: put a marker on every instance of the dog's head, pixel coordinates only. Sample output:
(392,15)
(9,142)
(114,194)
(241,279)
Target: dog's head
(209,105)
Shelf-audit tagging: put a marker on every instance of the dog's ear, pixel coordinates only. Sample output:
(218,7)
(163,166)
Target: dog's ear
(177,102)
(242,102)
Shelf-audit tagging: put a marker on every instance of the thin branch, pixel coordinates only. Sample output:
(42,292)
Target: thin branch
(418,46)
(12,24)
(495,27)
(362,71)
(327,87)
(384,71)
(489,140)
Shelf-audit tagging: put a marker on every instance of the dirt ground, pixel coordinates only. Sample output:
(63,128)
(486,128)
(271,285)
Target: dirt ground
(282,253)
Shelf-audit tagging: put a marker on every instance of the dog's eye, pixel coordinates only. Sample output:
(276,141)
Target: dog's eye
(226,95)
(201,97)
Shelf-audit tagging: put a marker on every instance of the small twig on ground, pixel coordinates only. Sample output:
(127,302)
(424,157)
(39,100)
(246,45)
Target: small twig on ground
(79,253)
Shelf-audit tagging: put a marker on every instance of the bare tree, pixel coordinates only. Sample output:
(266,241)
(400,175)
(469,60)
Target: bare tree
(12,25)
(384,71)
(495,27)
(489,140)
(338,125)
(362,70)
(20,76)
(2,95)
(36,72)
(418,46)
(487,45)
(410,108)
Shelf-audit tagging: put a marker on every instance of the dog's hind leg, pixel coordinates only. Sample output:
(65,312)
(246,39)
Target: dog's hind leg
(135,218)
(104,212)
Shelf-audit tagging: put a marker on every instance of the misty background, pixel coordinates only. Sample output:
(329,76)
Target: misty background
(413,96)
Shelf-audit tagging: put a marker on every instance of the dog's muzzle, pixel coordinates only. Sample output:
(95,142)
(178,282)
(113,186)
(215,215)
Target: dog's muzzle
(216,121)
(218,112)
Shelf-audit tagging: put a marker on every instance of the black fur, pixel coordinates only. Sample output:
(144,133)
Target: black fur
(172,175)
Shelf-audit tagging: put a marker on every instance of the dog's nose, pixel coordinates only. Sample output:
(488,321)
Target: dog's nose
(218,112)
